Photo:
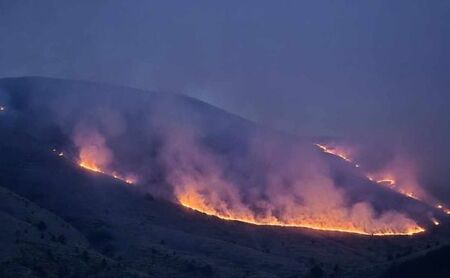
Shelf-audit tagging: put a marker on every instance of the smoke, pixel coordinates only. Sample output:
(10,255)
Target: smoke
(316,68)
(203,158)
(93,152)
(280,186)
(403,172)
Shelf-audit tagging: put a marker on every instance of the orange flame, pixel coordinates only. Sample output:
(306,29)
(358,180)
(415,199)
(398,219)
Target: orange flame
(194,200)
(391,183)
(223,201)
(410,191)
(388,181)
(89,165)
(336,152)
(95,156)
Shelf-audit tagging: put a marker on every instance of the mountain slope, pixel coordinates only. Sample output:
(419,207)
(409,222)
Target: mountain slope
(145,231)
(434,265)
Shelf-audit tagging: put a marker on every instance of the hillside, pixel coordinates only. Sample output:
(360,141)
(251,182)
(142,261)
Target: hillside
(433,264)
(37,243)
(140,227)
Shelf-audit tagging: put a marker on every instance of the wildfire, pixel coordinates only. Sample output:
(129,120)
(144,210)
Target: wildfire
(336,152)
(389,182)
(208,193)
(94,168)
(193,200)
(90,166)
(94,155)
(386,180)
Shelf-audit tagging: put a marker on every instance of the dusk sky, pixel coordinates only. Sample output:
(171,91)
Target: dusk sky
(339,68)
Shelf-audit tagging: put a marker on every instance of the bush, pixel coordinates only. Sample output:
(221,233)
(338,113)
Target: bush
(41,226)
(62,239)
(316,272)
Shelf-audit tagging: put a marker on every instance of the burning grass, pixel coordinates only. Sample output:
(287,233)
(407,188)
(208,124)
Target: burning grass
(407,187)
(195,204)
(89,165)
(198,184)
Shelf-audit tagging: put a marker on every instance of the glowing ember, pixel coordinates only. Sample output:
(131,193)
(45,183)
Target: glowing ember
(443,209)
(129,179)
(435,221)
(58,153)
(195,201)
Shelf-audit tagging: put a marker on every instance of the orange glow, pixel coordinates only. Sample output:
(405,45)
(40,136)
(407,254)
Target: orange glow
(128,179)
(389,182)
(95,156)
(324,207)
(208,193)
(407,188)
(94,168)
(90,166)
(191,199)
(336,152)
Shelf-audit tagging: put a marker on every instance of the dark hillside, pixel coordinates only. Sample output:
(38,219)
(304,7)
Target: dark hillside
(137,228)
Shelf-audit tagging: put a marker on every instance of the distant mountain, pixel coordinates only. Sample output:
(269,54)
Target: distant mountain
(85,224)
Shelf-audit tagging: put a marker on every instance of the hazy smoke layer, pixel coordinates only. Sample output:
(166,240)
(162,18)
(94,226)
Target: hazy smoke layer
(213,162)
(279,185)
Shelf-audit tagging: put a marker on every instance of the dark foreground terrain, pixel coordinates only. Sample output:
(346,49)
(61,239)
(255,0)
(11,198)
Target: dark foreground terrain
(59,220)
